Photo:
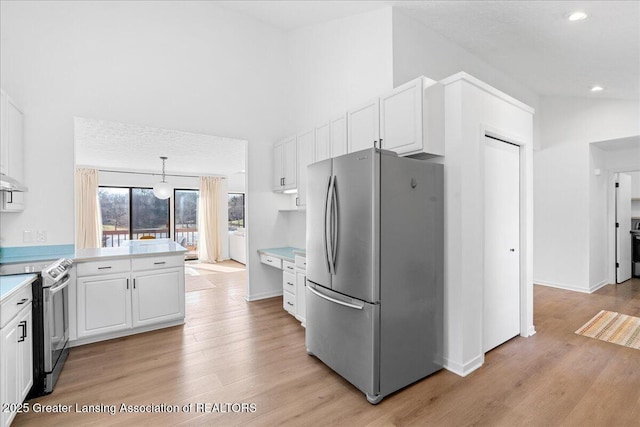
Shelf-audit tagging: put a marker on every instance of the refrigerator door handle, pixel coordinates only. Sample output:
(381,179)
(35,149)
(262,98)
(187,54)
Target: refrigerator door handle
(334,223)
(328,226)
(337,301)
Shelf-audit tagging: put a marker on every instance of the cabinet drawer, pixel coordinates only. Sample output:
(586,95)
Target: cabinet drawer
(16,302)
(289,282)
(271,261)
(152,263)
(301,262)
(288,266)
(289,302)
(108,266)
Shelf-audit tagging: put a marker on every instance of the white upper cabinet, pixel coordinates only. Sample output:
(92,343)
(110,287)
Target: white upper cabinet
(306,147)
(323,142)
(284,164)
(11,151)
(339,136)
(4,142)
(363,127)
(412,118)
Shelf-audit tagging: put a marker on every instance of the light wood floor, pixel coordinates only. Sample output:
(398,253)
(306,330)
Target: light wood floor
(232,351)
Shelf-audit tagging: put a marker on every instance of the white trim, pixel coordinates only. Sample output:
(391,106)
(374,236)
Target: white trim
(124,333)
(598,286)
(562,286)
(487,88)
(525,242)
(464,369)
(264,295)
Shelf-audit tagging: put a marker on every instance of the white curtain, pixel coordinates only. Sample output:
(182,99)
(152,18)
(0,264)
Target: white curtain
(209,243)
(88,215)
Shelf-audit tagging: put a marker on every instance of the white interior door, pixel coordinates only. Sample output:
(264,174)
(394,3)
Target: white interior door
(623,228)
(502,243)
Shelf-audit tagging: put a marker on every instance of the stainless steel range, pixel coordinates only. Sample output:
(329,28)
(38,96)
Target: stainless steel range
(50,319)
(55,320)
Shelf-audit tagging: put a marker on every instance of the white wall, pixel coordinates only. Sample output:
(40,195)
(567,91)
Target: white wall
(568,198)
(635,194)
(417,50)
(471,111)
(335,66)
(189,66)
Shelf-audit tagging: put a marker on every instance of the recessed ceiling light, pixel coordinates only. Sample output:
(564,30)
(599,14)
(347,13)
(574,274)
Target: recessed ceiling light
(577,16)
(597,89)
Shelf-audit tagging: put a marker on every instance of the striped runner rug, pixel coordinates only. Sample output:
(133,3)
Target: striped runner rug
(613,327)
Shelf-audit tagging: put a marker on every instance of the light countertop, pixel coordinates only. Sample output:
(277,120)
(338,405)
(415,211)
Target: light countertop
(286,253)
(10,284)
(134,248)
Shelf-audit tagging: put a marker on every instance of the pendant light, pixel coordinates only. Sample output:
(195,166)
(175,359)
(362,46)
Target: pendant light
(162,190)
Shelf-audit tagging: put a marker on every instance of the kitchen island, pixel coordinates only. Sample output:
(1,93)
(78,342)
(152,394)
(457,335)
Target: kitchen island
(127,290)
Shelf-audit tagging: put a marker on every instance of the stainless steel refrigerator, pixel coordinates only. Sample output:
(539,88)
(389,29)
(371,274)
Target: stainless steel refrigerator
(375,269)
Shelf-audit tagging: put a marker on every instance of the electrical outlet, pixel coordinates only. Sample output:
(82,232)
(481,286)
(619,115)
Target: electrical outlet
(41,236)
(27,236)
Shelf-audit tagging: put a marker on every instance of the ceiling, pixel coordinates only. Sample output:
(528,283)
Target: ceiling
(101,144)
(533,42)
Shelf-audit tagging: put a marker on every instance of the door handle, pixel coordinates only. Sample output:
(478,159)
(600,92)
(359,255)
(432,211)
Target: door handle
(328,226)
(337,301)
(334,224)
(23,334)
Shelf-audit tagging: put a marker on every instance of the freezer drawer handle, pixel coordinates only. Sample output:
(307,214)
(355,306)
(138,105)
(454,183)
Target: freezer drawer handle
(337,301)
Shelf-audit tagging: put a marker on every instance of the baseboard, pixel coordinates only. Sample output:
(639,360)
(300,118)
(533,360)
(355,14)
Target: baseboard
(463,369)
(264,295)
(561,286)
(531,331)
(124,333)
(598,286)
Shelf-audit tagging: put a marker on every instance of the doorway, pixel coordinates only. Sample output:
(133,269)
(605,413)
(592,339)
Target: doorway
(501,312)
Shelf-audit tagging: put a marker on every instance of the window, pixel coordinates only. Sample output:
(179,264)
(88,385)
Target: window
(186,218)
(114,205)
(130,213)
(236,210)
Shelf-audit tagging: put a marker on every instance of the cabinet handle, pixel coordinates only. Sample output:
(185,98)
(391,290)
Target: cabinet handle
(23,334)
(289,283)
(10,197)
(22,301)
(290,303)
(297,201)
(104,268)
(269,260)
(134,283)
(159,263)
(127,283)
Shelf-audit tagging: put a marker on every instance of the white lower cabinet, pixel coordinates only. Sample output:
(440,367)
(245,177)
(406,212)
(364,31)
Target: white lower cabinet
(301,279)
(16,362)
(158,296)
(103,304)
(150,292)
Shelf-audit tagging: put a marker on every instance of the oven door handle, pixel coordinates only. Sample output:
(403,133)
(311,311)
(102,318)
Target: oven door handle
(61,286)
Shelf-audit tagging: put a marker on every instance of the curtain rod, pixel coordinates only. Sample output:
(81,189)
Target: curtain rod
(158,174)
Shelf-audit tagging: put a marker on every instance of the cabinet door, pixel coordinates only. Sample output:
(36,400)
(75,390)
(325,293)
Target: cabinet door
(401,118)
(10,368)
(301,309)
(104,304)
(323,142)
(339,136)
(362,126)
(13,155)
(306,143)
(158,296)
(25,352)
(4,142)
(290,163)
(278,166)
